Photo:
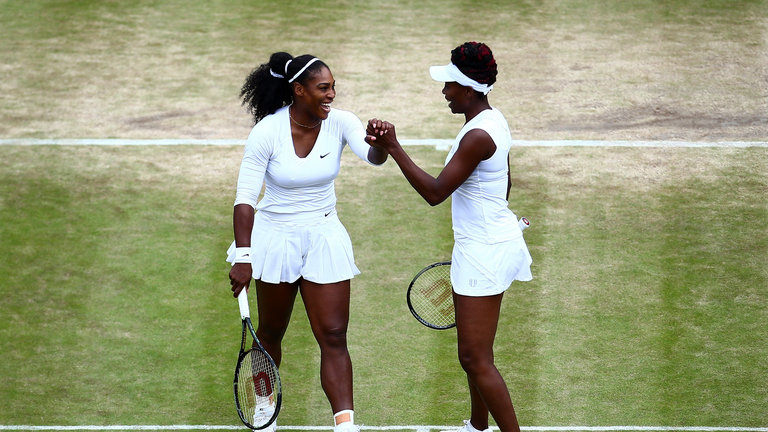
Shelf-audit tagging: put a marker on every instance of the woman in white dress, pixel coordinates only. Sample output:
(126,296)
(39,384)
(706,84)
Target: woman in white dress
(291,241)
(489,252)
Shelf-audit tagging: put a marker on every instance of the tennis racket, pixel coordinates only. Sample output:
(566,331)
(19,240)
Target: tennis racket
(258,393)
(430,294)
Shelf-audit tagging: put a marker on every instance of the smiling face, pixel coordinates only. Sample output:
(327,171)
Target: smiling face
(314,96)
(457,97)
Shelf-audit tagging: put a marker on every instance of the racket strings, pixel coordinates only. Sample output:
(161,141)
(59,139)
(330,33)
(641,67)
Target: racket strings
(431,296)
(257,384)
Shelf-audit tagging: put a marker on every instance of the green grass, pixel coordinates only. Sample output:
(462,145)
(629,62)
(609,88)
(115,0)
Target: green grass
(647,306)
(648,303)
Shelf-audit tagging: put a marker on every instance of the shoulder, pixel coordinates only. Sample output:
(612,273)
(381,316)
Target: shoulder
(270,122)
(343,124)
(497,120)
(478,129)
(266,130)
(479,140)
(486,133)
(342,116)
(494,126)
(491,118)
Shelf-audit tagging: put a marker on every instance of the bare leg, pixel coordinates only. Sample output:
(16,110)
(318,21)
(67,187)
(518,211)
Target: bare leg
(275,305)
(479,411)
(476,322)
(327,307)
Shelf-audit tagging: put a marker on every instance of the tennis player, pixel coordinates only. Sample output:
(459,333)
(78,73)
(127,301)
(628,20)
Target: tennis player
(295,241)
(489,252)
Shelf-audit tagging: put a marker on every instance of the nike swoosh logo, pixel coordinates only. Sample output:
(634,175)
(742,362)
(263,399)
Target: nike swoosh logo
(322,156)
(326,215)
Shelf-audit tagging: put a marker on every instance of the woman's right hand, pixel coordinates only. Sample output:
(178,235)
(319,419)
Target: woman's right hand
(381,134)
(240,277)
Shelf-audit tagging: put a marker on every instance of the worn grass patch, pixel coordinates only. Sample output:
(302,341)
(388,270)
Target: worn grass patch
(569,69)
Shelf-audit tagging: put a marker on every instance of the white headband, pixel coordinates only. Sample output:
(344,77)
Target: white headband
(302,69)
(450,73)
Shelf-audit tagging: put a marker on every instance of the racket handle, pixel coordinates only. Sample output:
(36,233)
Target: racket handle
(242,301)
(524,223)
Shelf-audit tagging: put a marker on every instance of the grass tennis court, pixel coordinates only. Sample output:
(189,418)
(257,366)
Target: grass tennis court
(647,308)
(648,305)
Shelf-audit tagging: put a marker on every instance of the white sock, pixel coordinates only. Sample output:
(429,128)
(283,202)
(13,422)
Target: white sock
(344,416)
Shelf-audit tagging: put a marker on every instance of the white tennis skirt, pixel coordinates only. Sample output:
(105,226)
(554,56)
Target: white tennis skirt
(479,269)
(314,246)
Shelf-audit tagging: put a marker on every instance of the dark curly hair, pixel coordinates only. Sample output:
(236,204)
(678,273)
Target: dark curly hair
(264,93)
(475,60)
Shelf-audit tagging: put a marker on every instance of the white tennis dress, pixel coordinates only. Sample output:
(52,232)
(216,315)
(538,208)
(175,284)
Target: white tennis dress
(296,232)
(489,251)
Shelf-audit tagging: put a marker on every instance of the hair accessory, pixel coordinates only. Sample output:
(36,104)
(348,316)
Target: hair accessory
(451,73)
(302,69)
(276,75)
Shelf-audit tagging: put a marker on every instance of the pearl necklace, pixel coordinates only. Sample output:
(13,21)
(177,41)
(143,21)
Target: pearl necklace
(299,124)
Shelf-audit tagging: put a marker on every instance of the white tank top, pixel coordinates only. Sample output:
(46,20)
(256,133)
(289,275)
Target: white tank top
(479,206)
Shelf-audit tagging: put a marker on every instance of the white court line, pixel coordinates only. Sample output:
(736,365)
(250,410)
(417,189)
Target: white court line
(117,142)
(440,144)
(417,428)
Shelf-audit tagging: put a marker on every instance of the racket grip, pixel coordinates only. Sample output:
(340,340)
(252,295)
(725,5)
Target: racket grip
(242,301)
(524,223)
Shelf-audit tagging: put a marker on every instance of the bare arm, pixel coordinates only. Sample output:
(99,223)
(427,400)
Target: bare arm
(474,147)
(242,222)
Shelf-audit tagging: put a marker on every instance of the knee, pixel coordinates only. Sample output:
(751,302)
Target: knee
(333,338)
(475,363)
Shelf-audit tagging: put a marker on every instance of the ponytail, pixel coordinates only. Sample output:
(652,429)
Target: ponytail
(265,90)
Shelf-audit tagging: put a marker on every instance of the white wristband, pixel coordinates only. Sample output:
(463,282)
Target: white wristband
(242,255)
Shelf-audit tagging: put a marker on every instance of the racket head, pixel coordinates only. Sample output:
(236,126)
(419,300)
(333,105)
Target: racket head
(430,296)
(257,386)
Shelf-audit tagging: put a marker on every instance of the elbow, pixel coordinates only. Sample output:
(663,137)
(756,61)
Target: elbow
(434,194)
(434,199)
(377,156)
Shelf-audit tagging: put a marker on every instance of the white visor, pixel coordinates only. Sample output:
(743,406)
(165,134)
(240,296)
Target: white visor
(450,73)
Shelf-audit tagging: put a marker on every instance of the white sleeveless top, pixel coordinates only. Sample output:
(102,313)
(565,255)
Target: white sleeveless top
(479,206)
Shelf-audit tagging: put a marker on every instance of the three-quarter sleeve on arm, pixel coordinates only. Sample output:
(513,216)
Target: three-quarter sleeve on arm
(252,170)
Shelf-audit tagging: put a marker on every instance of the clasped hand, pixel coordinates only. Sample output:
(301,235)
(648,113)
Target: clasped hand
(381,134)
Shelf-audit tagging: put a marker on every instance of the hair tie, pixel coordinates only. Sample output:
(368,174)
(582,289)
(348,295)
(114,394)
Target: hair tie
(302,69)
(276,75)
